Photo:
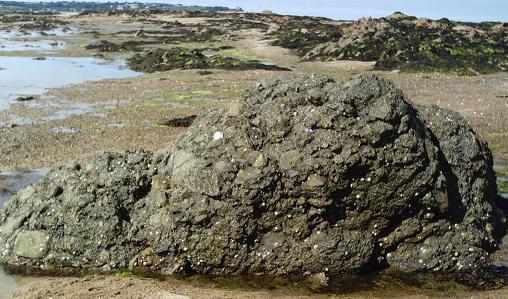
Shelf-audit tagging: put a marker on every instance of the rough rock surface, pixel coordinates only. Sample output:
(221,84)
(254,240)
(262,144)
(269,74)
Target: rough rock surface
(301,176)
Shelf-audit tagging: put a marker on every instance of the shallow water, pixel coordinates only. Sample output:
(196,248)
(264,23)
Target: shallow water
(23,75)
(269,63)
(59,110)
(66,109)
(5,34)
(385,284)
(11,283)
(31,45)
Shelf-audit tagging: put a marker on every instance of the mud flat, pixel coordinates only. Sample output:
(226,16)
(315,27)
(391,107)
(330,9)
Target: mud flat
(381,286)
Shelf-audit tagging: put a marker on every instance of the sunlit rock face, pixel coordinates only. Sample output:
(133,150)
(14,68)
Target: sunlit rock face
(303,175)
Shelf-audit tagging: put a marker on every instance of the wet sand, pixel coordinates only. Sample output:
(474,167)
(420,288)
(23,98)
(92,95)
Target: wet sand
(171,288)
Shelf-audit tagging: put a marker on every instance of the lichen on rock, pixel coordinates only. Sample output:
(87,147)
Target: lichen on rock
(308,176)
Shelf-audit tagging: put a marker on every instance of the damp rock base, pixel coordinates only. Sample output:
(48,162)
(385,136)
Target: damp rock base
(301,176)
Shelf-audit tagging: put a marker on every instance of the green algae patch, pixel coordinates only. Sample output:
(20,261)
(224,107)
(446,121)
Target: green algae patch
(191,95)
(125,274)
(502,181)
(242,55)
(448,51)
(502,173)
(158,60)
(502,187)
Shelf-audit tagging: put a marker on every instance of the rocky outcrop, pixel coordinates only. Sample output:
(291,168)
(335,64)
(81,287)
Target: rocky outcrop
(300,176)
(401,42)
(158,60)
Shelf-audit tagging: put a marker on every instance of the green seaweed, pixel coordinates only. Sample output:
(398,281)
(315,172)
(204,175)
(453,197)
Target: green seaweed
(182,96)
(502,182)
(502,187)
(125,274)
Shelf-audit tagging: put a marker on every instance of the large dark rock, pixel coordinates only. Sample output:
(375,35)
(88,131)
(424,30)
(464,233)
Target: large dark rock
(301,176)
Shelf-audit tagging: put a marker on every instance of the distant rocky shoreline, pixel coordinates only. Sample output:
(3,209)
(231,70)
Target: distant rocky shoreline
(79,6)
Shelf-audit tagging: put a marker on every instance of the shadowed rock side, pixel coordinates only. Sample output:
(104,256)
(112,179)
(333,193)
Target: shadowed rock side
(301,176)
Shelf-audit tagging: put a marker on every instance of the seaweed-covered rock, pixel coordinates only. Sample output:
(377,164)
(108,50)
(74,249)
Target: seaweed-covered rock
(300,176)
(129,45)
(403,42)
(105,46)
(183,58)
(303,35)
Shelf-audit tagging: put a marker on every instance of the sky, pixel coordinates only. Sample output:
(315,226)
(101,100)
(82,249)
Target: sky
(463,10)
